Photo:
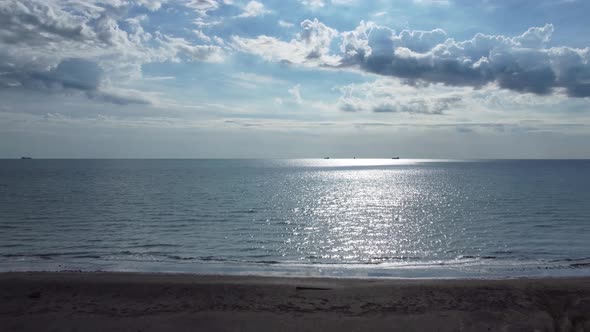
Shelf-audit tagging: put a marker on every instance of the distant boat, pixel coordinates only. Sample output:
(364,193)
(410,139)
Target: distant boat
(25,158)
(326,157)
(395,158)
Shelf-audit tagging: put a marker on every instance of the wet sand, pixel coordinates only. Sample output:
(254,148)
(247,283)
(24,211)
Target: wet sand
(159,302)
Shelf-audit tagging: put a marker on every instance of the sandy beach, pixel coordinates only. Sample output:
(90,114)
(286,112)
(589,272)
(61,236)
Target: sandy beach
(158,302)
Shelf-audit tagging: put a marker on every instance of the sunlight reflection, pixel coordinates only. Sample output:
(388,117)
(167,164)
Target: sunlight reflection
(350,162)
(364,215)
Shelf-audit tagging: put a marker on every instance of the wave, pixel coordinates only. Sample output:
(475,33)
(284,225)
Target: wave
(465,262)
(153,245)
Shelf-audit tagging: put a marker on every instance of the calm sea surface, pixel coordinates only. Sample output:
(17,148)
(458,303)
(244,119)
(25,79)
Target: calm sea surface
(337,217)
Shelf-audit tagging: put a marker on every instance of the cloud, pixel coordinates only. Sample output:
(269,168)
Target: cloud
(432,2)
(345,2)
(253,81)
(257,78)
(159,78)
(152,5)
(253,9)
(524,63)
(177,49)
(73,74)
(201,7)
(311,45)
(296,94)
(392,96)
(202,36)
(285,24)
(313,4)
(76,75)
(121,97)
(201,22)
(61,46)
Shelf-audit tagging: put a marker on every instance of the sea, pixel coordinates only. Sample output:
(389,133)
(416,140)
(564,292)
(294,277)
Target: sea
(375,218)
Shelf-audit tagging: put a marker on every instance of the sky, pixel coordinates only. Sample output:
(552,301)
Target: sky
(456,79)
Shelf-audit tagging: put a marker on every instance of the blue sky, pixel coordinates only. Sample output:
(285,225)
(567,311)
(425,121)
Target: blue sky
(301,78)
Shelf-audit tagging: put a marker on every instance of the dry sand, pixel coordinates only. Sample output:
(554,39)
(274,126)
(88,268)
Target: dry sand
(159,302)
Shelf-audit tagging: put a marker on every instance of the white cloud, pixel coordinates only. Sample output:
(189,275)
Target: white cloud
(201,22)
(285,24)
(176,49)
(218,40)
(453,104)
(253,9)
(432,2)
(311,45)
(296,94)
(202,36)
(42,45)
(152,5)
(254,81)
(392,96)
(313,4)
(159,78)
(258,78)
(202,6)
(344,2)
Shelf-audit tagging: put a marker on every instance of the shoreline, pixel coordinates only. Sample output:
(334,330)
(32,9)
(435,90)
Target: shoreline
(291,276)
(97,301)
(468,268)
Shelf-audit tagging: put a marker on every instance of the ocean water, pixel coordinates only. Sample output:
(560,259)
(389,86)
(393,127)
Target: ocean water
(337,217)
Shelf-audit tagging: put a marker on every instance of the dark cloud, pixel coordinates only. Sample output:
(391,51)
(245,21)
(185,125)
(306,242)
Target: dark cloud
(118,98)
(77,74)
(70,75)
(539,80)
(523,63)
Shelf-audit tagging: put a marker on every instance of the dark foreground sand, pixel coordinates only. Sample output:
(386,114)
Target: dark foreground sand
(151,302)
